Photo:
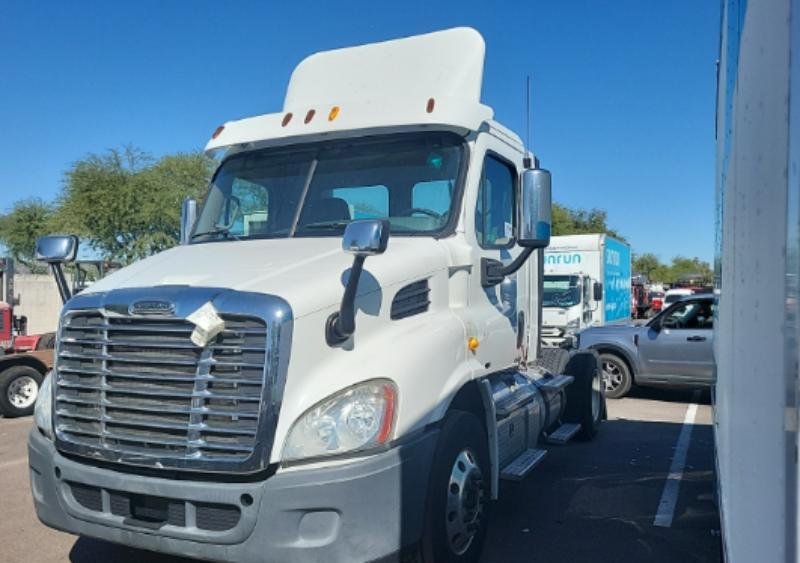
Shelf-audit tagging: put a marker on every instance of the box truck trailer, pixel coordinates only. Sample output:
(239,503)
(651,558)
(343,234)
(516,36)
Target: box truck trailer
(757,320)
(587,282)
(339,363)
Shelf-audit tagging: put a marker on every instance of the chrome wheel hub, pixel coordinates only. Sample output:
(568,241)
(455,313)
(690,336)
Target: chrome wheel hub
(465,502)
(612,375)
(23,391)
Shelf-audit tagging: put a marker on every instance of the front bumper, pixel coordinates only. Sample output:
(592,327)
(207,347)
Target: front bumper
(364,510)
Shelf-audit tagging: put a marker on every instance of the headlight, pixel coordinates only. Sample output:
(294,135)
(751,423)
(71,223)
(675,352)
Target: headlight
(43,410)
(356,419)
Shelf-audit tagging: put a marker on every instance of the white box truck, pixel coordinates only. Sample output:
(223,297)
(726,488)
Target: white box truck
(337,364)
(757,320)
(587,282)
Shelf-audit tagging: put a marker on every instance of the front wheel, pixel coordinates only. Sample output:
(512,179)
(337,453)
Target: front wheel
(617,376)
(458,494)
(19,387)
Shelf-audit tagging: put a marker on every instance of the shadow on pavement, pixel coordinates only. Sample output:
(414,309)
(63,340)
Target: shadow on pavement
(89,550)
(671,395)
(596,502)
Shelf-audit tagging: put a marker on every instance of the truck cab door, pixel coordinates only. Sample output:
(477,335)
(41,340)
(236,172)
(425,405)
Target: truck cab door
(497,308)
(682,348)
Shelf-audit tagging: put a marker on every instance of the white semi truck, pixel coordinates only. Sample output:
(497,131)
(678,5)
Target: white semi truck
(757,324)
(587,282)
(338,363)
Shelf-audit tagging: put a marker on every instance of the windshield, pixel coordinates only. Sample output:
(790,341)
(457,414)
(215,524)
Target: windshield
(561,291)
(316,189)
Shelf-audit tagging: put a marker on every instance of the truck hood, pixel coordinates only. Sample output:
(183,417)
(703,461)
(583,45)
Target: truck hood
(309,273)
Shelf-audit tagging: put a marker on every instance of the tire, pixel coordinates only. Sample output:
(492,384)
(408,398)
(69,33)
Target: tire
(554,360)
(456,514)
(19,387)
(617,376)
(586,395)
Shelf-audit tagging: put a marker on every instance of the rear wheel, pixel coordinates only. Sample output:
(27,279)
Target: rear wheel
(616,375)
(586,395)
(19,387)
(554,360)
(458,494)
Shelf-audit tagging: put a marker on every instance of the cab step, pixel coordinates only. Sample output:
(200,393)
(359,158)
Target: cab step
(563,433)
(523,464)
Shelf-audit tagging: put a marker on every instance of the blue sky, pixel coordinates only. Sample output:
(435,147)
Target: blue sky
(623,91)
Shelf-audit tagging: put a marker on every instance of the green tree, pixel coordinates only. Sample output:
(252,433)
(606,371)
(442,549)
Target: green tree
(126,204)
(19,228)
(646,263)
(568,221)
(691,268)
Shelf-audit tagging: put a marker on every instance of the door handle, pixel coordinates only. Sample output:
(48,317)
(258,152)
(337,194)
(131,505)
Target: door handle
(696,339)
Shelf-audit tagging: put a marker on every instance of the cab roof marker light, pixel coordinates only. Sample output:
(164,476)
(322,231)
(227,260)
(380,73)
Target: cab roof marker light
(334,113)
(286,119)
(431,105)
(218,131)
(309,116)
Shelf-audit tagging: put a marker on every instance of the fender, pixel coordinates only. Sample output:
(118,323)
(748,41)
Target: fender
(40,360)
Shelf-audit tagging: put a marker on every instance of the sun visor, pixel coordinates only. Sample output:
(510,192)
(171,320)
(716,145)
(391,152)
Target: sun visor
(444,64)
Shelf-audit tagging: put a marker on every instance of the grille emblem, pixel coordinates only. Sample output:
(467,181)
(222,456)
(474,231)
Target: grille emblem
(152,307)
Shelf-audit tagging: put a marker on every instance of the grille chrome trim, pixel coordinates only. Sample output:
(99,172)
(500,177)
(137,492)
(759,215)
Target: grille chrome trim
(133,389)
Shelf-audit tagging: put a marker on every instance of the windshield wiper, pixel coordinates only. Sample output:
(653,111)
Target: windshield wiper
(226,231)
(326,225)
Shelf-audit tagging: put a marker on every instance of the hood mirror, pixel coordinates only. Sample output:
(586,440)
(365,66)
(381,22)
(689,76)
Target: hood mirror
(56,250)
(367,237)
(188,219)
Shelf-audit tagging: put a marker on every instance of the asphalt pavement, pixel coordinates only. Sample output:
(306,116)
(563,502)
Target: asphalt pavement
(594,501)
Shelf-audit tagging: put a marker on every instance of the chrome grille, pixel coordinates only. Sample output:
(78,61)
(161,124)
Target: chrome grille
(138,387)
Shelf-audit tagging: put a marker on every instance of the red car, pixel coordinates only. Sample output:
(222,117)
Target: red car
(656,301)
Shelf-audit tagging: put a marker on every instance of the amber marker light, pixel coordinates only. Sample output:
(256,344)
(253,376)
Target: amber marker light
(473,343)
(310,116)
(217,131)
(286,119)
(334,113)
(431,105)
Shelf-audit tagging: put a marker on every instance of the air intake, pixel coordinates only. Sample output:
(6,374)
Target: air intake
(411,300)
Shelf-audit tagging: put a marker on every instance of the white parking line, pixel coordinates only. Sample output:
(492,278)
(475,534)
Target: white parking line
(669,496)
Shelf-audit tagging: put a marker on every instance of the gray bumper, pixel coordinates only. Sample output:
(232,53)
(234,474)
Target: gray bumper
(361,511)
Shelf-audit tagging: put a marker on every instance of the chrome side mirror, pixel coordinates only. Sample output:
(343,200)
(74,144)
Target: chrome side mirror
(366,237)
(188,218)
(56,250)
(363,238)
(535,209)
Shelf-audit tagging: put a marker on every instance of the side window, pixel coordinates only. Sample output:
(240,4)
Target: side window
(494,215)
(253,208)
(702,317)
(691,315)
(367,202)
(433,196)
